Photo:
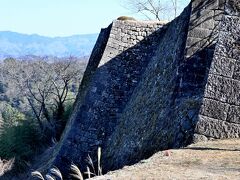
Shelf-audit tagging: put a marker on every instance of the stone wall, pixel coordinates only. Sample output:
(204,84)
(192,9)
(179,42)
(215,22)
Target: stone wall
(204,25)
(202,37)
(113,72)
(150,112)
(219,115)
(126,34)
(170,107)
(150,87)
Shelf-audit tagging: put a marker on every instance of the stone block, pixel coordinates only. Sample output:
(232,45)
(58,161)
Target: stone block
(218,88)
(140,38)
(124,39)
(214,109)
(223,66)
(218,15)
(199,33)
(235,95)
(199,138)
(216,128)
(191,41)
(221,4)
(208,24)
(227,47)
(234,114)
(197,19)
(236,73)
(233,7)
(144,33)
(111,51)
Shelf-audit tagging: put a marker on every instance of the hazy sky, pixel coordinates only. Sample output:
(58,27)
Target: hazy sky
(59,17)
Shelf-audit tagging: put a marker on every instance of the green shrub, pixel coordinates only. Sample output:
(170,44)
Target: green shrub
(18,139)
(12,116)
(68,110)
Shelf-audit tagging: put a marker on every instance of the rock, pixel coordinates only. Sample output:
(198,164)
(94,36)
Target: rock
(199,138)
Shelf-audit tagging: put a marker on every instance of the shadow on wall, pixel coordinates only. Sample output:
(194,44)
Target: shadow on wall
(106,93)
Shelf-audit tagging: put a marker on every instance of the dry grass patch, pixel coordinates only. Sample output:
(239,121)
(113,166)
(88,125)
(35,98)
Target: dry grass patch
(206,160)
(5,166)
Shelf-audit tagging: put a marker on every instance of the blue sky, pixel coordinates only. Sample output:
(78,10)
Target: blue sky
(59,17)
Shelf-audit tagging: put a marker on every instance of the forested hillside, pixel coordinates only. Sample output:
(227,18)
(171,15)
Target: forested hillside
(36,98)
(17,45)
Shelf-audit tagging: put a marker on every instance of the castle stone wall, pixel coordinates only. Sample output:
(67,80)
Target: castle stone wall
(126,34)
(150,87)
(149,115)
(113,72)
(219,115)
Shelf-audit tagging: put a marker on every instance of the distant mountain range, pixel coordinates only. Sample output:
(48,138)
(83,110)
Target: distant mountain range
(17,45)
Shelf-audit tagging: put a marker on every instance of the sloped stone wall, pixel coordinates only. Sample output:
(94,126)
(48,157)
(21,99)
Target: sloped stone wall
(113,72)
(148,123)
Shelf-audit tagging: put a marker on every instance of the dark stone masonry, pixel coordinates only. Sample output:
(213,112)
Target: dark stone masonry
(151,86)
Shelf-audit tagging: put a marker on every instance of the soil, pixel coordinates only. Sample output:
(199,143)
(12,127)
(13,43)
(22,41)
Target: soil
(218,159)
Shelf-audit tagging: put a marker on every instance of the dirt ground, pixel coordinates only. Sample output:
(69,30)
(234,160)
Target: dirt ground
(219,159)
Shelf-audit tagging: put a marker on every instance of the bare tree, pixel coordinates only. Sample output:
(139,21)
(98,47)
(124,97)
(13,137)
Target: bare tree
(45,86)
(27,79)
(148,8)
(65,73)
(175,7)
(155,9)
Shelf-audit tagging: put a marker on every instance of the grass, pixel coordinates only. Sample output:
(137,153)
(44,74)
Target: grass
(218,159)
(55,172)
(18,142)
(6,165)
(76,172)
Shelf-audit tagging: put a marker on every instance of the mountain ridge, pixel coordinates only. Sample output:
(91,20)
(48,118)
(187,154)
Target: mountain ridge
(14,44)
